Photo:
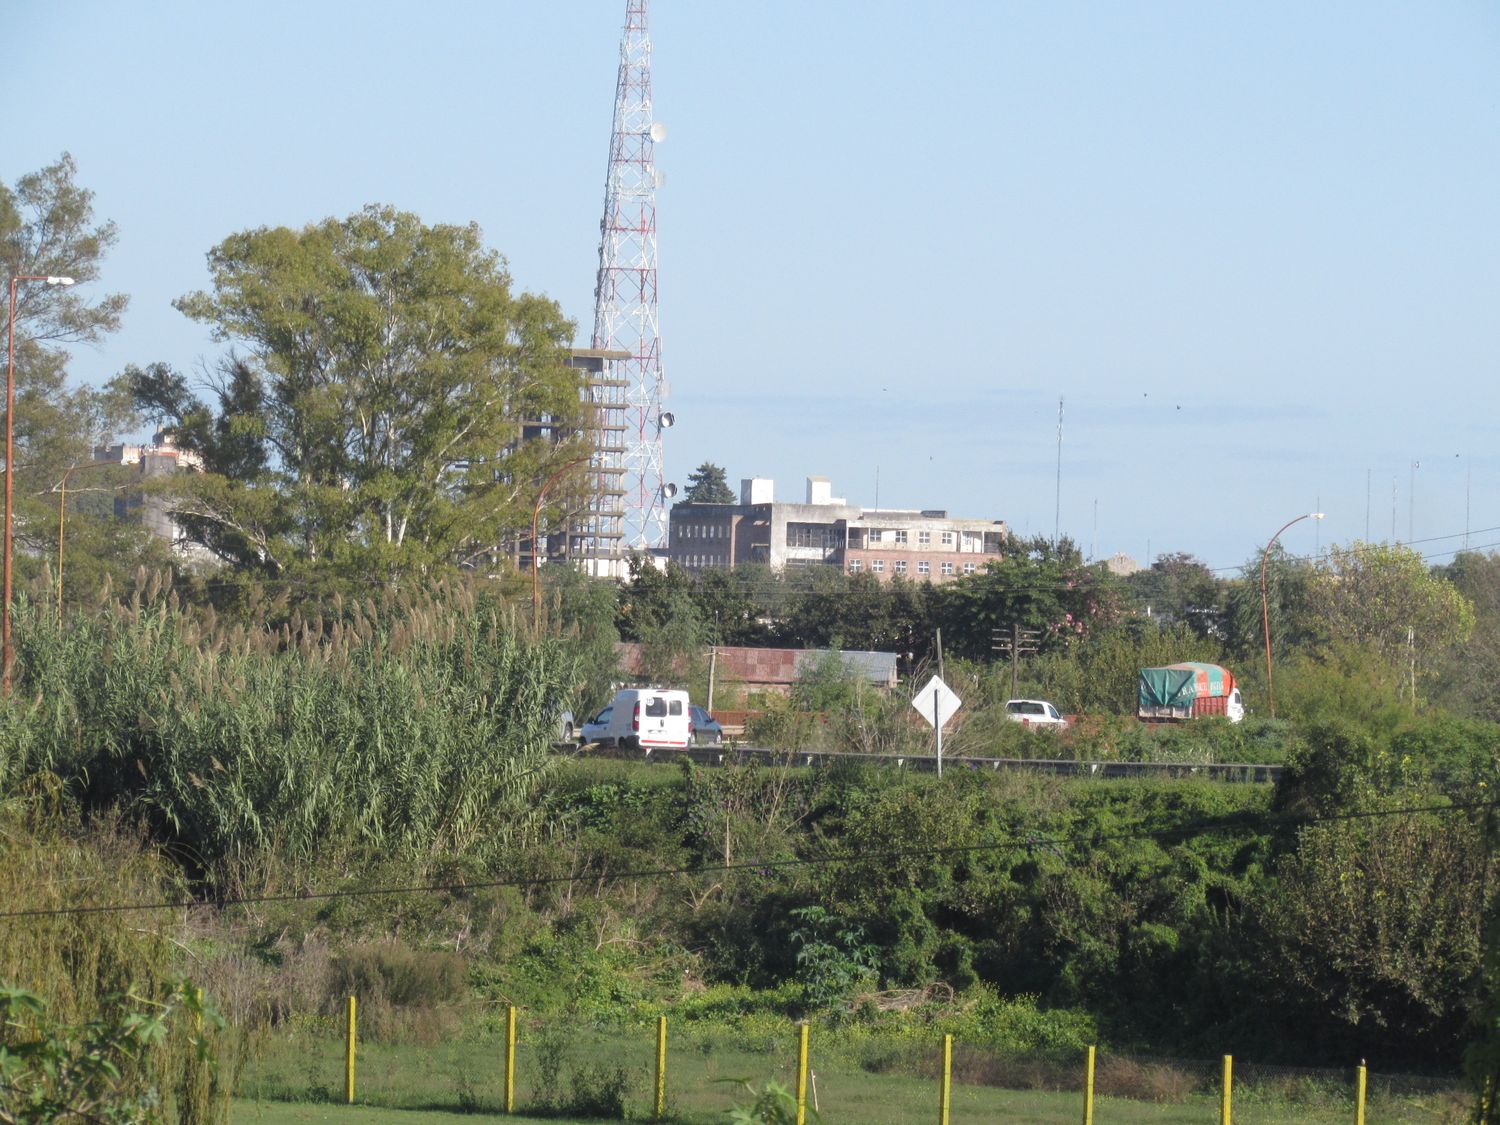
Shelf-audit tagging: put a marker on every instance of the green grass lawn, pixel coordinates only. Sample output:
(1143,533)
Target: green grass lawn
(298,1080)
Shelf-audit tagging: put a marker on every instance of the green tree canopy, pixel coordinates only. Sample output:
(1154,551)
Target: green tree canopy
(1179,587)
(1467,678)
(706,485)
(1383,598)
(1287,606)
(47,228)
(1034,584)
(373,416)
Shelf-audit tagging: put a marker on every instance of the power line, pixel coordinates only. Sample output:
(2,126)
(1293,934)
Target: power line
(1030,841)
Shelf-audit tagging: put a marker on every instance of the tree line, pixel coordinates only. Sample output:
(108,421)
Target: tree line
(1378,614)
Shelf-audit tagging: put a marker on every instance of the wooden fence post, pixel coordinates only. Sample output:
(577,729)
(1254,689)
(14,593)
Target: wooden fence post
(945,1090)
(661,1067)
(510,1059)
(1088,1088)
(349,1052)
(802,1074)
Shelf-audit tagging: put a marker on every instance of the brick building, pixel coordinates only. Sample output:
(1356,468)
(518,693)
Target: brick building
(921,545)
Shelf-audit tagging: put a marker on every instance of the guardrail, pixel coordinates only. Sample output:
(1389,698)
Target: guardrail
(1244,772)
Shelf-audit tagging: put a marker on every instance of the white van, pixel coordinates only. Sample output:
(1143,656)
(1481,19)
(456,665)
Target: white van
(646,718)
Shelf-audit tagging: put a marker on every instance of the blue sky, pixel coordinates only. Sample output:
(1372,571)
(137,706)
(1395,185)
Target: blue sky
(1253,245)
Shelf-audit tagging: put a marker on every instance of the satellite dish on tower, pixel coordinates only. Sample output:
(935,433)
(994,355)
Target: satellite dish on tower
(669,490)
(658,132)
(658,177)
(666,420)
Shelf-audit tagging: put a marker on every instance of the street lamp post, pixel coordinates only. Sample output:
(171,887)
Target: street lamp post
(62,507)
(10,462)
(1265,605)
(536,511)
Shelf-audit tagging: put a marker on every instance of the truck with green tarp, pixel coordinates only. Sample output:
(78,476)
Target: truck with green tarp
(1190,690)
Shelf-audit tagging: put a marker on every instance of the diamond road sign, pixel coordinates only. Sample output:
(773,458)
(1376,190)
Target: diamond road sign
(936,700)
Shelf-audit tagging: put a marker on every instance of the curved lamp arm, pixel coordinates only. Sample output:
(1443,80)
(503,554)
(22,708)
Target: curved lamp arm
(1265,606)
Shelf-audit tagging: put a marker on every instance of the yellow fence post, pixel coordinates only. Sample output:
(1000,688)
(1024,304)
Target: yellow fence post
(944,1098)
(802,1074)
(1225,1095)
(1359,1093)
(510,1058)
(661,1067)
(349,1053)
(1088,1088)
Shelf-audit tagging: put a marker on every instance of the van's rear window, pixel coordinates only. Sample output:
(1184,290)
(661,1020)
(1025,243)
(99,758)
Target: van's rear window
(656,707)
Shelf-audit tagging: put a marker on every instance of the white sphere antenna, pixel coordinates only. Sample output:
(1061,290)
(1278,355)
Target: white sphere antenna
(658,132)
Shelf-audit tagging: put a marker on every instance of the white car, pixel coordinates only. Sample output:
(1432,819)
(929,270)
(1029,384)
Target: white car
(595,729)
(1034,713)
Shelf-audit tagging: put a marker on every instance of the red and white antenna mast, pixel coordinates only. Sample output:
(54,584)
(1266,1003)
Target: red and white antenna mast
(625,317)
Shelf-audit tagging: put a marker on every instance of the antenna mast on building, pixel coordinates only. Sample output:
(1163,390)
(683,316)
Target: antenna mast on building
(625,316)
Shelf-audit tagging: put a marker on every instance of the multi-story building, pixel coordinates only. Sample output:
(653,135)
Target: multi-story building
(592,535)
(159,459)
(921,545)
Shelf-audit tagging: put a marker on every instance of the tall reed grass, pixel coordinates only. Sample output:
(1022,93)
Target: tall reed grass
(416,728)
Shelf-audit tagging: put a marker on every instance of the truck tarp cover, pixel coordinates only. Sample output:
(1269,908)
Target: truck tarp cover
(1179,684)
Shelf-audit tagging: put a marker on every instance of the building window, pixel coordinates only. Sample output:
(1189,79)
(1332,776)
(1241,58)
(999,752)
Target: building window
(924,539)
(874,534)
(901,536)
(969,568)
(924,567)
(853,566)
(899,566)
(816,535)
(947,568)
(947,539)
(877,565)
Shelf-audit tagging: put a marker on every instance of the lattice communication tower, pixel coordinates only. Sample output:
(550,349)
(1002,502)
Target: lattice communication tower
(625,315)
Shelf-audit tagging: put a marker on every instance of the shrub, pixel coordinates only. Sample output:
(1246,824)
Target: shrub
(403,994)
(1118,1076)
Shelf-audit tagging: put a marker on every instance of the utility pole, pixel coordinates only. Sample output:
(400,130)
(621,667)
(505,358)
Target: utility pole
(1057,491)
(1020,642)
(713,660)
